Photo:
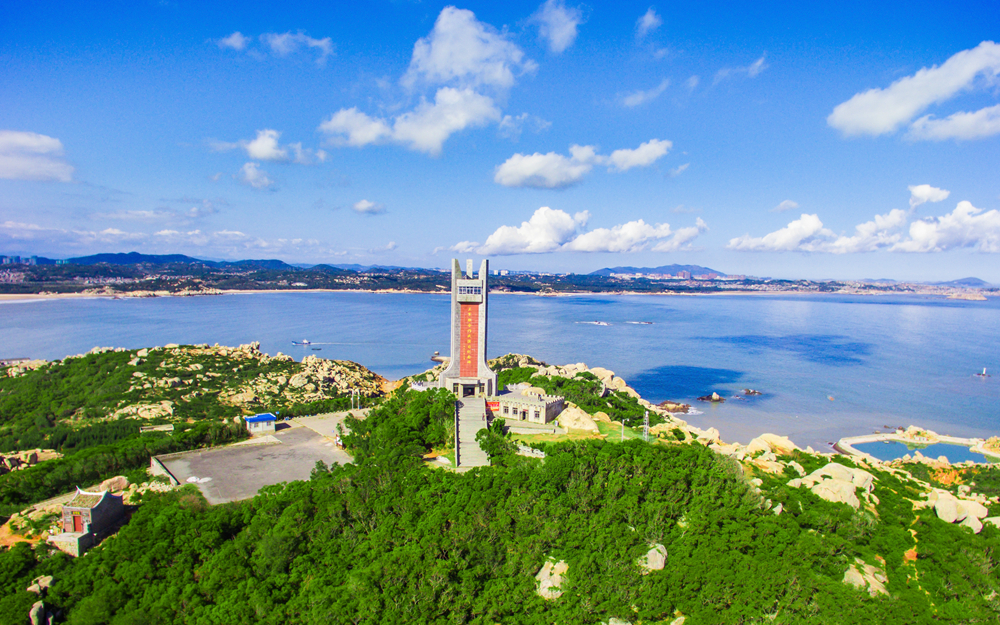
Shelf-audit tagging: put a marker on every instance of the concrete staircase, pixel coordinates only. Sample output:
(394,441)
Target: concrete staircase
(470,417)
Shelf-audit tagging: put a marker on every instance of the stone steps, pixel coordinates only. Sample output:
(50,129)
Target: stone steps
(471,419)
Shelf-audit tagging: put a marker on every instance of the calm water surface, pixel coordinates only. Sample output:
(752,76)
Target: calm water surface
(890,450)
(828,366)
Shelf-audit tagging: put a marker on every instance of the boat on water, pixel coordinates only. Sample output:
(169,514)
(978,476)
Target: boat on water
(982,375)
(640,323)
(595,323)
(302,342)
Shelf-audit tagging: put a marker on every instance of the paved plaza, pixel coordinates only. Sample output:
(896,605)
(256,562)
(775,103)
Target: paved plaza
(238,471)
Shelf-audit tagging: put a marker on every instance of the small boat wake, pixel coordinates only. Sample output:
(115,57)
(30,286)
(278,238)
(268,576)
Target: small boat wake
(595,323)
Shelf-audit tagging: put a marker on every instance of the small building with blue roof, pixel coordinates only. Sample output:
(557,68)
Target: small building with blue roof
(260,423)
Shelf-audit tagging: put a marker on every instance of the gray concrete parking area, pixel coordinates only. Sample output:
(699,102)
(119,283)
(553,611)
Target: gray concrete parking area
(238,471)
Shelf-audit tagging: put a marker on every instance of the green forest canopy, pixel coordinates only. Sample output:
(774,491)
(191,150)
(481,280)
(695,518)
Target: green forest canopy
(389,540)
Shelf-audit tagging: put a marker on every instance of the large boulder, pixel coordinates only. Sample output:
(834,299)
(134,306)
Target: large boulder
(654,560)
(836,491)
(550,578)
(836,471)
(573,418)
(973,524)
(973,508)
(778,444)
(866,577)
(758,445)
(947,509)
(298,380)
(115,484)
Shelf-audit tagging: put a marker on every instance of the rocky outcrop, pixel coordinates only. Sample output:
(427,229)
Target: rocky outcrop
(550,579)
(654,560)
(146,410)
(572,418)
(951,509)
(40,585)
(37,614)
(714,397)
(838,484)
(867,577)
(115,484)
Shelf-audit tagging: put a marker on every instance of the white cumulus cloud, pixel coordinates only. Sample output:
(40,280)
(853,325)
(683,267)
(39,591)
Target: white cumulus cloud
(553,230)
(236,41)
(922,193)
(31,156)
(354,128)
(647,23)
(880,111)
(547,171)
(424,129)
(869,236)
(266,147)
(643,156)
(966,226)
(546,231)
(556,171)
(463,50)
(557,24)
(641,97)
(960,126)
(785,205)
(427,127)
(799,234)
(253,175)
(367,207)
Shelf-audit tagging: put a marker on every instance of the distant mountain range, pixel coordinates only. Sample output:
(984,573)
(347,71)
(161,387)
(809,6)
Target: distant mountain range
(673,270)
(135,258)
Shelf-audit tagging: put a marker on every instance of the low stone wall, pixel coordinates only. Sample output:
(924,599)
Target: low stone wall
(158,468)
(531,452)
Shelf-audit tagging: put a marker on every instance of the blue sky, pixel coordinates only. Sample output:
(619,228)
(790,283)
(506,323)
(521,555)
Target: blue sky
(779,139)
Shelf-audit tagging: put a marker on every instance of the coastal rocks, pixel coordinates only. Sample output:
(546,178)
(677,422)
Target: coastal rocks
(40,585)
(714,398)
(550,578)
(298,380)
(674,407)
(866,577)
(778,444)
(572,418)
(751,392)
(654,560)
(23,367)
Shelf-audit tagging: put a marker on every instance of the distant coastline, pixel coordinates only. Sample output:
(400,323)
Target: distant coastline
(16,297)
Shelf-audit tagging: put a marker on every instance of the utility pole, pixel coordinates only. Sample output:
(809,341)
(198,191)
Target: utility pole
(645,427)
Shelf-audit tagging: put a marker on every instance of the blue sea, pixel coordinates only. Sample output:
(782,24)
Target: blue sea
(827,365)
